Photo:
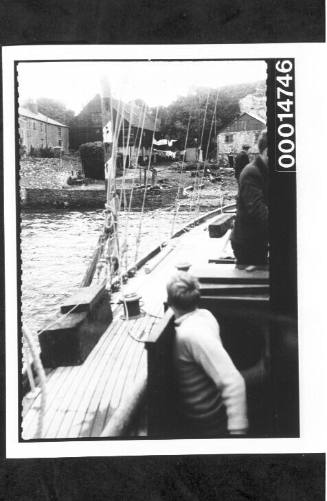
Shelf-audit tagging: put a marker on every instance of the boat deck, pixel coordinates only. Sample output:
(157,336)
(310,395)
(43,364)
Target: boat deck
(81,400)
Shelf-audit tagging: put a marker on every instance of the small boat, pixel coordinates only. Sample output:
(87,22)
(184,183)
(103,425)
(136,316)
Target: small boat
(105,366)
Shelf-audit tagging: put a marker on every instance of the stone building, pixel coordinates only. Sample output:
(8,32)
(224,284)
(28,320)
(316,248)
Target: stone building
(38,131)
(87,126)
(244,129)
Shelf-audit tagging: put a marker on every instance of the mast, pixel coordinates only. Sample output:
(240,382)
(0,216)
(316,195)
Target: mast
(110,254)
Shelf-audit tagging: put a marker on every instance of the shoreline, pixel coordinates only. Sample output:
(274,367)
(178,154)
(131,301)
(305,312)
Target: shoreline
(42,187)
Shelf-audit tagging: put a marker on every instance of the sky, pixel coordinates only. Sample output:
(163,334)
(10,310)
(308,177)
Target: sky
(158,83)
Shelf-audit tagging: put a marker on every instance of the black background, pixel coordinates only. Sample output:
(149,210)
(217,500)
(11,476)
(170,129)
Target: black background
(232,477)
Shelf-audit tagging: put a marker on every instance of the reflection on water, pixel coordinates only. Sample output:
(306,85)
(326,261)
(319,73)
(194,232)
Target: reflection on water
(57,246)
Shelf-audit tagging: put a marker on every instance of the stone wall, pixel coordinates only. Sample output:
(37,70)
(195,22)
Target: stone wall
(85,198)
(249,137)
(154,198)
(63,198)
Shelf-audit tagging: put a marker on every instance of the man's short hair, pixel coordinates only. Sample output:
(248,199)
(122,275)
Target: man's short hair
(183,291)
(262,141)
(245,147)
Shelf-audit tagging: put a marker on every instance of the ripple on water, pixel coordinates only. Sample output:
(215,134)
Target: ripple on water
(57,247)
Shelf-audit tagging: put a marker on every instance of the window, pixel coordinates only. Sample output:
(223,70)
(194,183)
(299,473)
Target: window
(59,142)
(229,138)
(59,132)
(34,125)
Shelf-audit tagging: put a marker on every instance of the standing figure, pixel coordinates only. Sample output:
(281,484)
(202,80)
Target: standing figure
(241,160)
(230,159)
(249,237)
(211,395)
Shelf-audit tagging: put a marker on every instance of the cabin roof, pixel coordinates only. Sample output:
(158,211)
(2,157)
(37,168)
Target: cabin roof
(25,112)
(251,115)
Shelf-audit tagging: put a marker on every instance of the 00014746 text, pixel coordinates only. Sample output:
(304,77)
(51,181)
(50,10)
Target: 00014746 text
(285,122)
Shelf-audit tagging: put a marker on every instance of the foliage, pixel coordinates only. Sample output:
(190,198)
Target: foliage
(52,109)
(92,158)
(205,112)
(42,152)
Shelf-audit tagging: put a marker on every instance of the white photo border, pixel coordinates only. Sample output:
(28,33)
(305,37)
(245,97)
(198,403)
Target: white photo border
(310,68)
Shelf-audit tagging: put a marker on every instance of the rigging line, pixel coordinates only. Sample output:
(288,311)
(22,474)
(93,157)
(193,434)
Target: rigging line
(196,182)
(138,152)
(112,244)
(125,155)
(141,121)
(54,322)
(113,119)
(124,185)
(120,249)
(121,133)
(139,131)
(180,178)
(146,171)
(204,119)
(145,188)
(207,149)
(28,336)
(123,248)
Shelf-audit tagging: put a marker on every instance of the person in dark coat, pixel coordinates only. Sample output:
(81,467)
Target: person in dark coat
(241,160)
(249,237)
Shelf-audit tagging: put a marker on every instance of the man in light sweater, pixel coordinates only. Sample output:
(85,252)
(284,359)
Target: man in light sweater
(211,391)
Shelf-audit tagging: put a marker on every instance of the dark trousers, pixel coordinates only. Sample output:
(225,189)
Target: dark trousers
(253,253)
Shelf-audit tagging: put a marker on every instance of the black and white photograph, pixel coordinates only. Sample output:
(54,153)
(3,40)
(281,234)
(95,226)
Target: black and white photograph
(163,276)
(152,275)
(144,207)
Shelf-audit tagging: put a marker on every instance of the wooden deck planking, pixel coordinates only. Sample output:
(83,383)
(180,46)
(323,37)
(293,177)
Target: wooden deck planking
(108,375)
(125,383)
(131,362)
(90,402)
(53,392)
(83,398)
(107,404)
(105,400)
(80,398)
(29,401)
(74,387)
(60,383)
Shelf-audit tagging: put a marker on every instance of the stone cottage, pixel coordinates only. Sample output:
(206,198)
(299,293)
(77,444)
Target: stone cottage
(244,129)
(39,131)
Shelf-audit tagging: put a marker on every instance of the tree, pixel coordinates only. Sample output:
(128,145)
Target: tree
(52,109)
(196,119)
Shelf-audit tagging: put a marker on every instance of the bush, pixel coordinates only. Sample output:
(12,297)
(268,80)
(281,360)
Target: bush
(92,158)
(42,152)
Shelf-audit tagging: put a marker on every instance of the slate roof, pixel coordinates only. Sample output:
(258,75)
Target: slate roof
(25,112)
(252,115)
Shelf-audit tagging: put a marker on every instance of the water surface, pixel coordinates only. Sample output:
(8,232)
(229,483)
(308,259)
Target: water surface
(57,247)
